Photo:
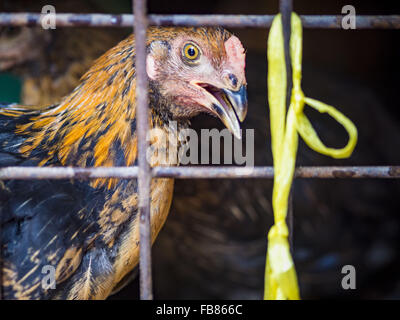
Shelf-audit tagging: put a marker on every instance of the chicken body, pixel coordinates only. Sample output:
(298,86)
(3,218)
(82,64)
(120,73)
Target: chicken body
(87,231)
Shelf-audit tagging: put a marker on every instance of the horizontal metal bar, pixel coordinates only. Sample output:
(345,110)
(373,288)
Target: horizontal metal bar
(348,172)
(258,21)
(198,172)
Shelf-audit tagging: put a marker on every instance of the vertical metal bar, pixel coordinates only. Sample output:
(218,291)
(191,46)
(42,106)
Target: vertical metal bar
(144,174)
(286,8)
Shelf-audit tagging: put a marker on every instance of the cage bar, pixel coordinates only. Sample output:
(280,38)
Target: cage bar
(144,173)
(199,172)
(286,8)
(232,21)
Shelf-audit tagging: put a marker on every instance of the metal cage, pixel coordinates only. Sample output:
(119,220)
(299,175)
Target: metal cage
(140,20)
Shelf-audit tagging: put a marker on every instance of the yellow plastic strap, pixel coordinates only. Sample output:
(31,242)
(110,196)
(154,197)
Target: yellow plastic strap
(280,273)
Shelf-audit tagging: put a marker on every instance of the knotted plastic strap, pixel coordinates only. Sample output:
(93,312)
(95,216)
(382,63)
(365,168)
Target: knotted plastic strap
(280,274)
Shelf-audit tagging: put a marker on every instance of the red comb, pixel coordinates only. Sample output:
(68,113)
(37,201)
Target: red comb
(235,52)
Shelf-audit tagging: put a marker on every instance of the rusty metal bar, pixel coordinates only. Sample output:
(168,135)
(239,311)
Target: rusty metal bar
(144,172)
(286,8)
(255,21)
(198,172)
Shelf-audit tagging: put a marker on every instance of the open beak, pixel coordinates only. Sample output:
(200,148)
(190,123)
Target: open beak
(230,106)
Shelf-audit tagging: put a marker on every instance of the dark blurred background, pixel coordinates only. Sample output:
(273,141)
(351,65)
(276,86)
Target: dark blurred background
(214,242)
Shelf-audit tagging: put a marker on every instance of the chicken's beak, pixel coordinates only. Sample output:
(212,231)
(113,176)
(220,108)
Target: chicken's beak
(238,100)
(230,106)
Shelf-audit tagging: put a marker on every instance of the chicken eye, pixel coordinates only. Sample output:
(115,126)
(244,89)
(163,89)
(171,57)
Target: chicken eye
(191,52)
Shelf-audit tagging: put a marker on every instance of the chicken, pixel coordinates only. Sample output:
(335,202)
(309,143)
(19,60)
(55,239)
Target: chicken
(87,230)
